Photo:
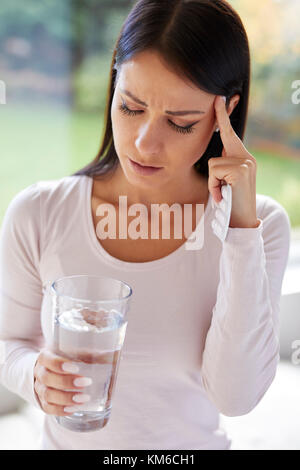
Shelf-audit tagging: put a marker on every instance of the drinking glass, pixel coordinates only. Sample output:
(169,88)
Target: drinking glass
(85,321)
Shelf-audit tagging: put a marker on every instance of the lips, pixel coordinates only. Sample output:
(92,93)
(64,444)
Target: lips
(145,166)
(144,170)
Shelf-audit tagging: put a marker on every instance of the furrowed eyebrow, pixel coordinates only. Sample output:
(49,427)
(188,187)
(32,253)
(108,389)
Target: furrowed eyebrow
(173,113)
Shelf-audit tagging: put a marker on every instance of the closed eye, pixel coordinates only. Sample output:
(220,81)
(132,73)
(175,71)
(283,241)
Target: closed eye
(183,130)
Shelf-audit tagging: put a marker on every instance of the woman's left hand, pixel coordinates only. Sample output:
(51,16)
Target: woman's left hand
(236,167)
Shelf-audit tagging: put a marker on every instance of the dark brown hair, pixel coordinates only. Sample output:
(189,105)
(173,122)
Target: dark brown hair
(203,41)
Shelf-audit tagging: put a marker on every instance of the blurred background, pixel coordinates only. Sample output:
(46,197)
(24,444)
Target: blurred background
(54,70)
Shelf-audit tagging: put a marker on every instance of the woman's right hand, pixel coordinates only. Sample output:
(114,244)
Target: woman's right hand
(53,376)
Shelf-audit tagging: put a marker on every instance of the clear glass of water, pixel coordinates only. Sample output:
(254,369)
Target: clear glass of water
(88,319)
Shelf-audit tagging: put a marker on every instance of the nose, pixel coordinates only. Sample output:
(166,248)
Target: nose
(149,141)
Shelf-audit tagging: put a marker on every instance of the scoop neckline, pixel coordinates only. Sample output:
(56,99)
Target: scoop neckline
(127,265)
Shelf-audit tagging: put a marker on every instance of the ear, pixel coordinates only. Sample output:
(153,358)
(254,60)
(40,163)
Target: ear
(233,102)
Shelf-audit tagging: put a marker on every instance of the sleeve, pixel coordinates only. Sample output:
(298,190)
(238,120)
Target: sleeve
(20,293)
(242,346)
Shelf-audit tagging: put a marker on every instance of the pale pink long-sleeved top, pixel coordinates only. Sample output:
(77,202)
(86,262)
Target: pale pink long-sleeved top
(203,326)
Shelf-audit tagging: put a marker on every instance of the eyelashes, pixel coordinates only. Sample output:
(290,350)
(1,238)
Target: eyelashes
(182,130)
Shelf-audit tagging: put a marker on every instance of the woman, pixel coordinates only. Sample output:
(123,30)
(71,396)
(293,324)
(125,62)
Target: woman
(203,329)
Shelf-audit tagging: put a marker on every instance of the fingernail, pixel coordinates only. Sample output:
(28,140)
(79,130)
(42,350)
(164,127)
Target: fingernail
(70,367)
(81,398)
(70,409)
(224,98)
(82,382)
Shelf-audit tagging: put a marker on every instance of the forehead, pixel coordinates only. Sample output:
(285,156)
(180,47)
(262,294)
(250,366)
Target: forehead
(148,76)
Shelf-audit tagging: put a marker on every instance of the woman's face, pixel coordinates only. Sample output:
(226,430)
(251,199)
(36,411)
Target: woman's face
(152,136)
